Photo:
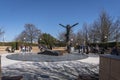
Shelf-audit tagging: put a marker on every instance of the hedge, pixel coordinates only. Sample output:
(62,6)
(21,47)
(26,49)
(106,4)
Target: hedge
(16,45)
(106,44)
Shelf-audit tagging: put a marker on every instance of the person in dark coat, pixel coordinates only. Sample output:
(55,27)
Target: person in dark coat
(115,51)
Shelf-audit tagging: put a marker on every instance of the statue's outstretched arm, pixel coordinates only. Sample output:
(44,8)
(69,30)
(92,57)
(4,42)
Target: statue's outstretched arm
(62,25)
(74,25)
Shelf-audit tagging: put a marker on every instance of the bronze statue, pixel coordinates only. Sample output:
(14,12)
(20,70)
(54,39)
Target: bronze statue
(67,35)
(68,29)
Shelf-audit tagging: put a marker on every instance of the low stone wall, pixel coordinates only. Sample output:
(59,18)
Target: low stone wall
(3,49)
(35,49)
(109,67)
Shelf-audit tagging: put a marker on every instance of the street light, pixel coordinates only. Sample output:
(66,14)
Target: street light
(24,40)
(105,37)
(71,41)
(71,45)
(40,41)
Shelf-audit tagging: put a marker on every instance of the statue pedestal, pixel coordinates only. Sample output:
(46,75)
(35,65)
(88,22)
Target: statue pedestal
(109,67)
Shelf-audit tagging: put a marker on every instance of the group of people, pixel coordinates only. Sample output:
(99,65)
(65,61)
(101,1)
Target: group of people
(84,49)
(25,48)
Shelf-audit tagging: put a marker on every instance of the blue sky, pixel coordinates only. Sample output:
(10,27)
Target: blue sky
(47,14)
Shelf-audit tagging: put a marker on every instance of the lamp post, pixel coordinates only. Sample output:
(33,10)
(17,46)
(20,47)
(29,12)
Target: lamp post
(71,45)
(40,40)
(105,37)
(24,40)
(71,41)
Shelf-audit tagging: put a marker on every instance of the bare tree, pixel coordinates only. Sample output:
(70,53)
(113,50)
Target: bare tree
(83,36)
(85,33)
(102,28)
(30,34)
(105,26)
(116,32)
(94,32)
(80,37)
(21,37)
(61,36)
(86,36)
(1,33)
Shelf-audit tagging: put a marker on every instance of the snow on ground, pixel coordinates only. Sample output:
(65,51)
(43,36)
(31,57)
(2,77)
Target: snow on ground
(92,59)
(6,62)
(61,70)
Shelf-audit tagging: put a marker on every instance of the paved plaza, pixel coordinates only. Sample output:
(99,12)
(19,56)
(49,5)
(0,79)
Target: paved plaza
(90,58)
(68,69)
